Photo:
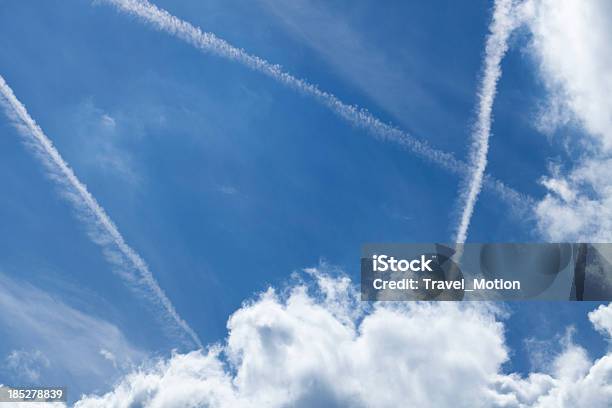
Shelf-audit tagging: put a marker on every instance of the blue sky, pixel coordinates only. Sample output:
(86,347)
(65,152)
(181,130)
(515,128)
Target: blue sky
(226,182)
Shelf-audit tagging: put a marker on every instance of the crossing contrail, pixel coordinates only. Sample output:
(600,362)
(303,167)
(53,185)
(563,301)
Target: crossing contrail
(101,228)
(502,24)
(361,118)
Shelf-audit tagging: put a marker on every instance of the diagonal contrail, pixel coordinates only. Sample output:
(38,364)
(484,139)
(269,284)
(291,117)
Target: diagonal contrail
(101,228)
(209,42)
(500,29)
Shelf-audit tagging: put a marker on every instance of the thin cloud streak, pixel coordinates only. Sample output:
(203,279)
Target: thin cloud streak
(101,228)
(359,117)
(500,29)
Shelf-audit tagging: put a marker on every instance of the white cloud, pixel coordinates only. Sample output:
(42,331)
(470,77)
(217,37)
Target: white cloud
(26,364)
(602,319)
(109,356)
(578,206)
(108,121)
(318,345)
(54,341)
(227,190)
(540,353)
(575,381)
(99,145)
(570,43)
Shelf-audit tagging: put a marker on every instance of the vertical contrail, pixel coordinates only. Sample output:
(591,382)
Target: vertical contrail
(101,228)
(501,26)
(208,42)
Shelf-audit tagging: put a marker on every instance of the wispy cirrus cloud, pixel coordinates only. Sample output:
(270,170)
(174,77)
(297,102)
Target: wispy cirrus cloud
(103,149)
(382,73)
(101,228)
(500,29)
(361,118)
(48,339)
(26,364)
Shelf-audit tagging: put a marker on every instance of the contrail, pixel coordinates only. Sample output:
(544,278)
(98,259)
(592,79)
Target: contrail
(501,26)
(101,228)
(361,118)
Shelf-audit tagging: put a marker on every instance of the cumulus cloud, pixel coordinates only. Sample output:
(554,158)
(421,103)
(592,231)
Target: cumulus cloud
(570,379)
(578,205)
(316,344)
(570,43)
(574,381)
(602,319)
